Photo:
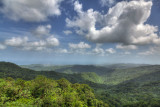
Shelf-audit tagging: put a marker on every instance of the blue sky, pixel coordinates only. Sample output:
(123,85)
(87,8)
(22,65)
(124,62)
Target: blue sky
(80,31)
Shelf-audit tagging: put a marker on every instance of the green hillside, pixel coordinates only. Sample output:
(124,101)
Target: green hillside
(109,74)
(44,92)
(118,87)
(121,75)
(141,91)
(70,68)
(41,67)
(92,76)
(79,68)
(8,69)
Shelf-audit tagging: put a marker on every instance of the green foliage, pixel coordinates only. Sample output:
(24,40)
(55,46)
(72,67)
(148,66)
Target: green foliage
(92,76)
(46,92)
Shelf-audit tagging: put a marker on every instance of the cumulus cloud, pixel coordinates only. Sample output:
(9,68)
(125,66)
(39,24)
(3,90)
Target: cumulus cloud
(2,47)
(80,45)
(67,32)
(42,44)
(24,43)
(107,2)
(84,21)
(42,30)
(62,51)
(52,41)
(123,24)
(99,51)
(16,41)
(110,50)
(80,48)
(30,10)
(38,44)
(126,47)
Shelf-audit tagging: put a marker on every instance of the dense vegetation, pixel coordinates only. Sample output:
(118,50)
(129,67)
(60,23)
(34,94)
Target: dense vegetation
(120,86)
(46,92)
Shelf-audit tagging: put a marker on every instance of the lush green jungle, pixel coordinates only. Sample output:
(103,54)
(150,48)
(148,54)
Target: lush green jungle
(114,85)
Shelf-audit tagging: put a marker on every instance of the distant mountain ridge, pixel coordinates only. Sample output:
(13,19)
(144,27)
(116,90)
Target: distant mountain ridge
(62,68)
(97,74)
(108,74)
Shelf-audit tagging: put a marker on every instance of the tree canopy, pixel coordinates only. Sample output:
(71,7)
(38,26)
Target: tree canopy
(46,92)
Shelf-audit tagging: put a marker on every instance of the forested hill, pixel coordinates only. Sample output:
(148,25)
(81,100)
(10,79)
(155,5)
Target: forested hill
(95,74)
(8,69)
(69,69)
(119,87)
(44,92)
(80,68)
(113,74)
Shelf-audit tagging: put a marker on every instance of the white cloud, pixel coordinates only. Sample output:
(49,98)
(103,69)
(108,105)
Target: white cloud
(42,30)
(81,45)
(2,47)
(62,51)
(24,43)
(30,10)
(110,50)
(107,2)
(67,32)
(38,44)
(84,21)
(52,41)
(126,47)
(16,41)
(98,50)
(77,6)
(124,24)
(80,48)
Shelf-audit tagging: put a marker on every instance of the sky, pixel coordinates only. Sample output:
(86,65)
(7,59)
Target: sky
(65,32)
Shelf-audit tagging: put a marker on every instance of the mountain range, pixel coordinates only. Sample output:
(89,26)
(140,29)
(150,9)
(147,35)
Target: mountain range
(117,85)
